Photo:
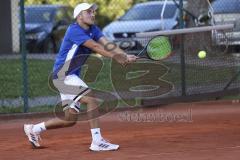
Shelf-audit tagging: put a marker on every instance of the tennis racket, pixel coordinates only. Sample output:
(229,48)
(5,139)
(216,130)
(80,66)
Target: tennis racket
(158,48)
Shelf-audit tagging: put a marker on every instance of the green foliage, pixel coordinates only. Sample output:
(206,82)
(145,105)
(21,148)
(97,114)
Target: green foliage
(38,72)
(7,110)
(11,77)
(108,10)
(139,1)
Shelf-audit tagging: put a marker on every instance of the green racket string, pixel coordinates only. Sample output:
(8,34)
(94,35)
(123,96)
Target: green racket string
(159,48)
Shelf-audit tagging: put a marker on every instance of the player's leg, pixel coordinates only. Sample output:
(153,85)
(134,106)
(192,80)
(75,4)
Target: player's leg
(69,120)
(33,131)
(70,111)
(98,142)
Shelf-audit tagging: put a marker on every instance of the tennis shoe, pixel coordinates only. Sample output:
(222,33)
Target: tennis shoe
(32,137)
(103,145)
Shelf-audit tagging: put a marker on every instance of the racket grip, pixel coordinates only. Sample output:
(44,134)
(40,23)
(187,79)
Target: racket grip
(142,59)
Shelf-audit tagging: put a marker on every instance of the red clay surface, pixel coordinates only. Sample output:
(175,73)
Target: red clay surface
(199,131)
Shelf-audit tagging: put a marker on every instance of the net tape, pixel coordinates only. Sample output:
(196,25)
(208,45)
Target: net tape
(186,30)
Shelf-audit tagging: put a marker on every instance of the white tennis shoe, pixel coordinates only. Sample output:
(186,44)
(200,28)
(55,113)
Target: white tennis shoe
(32,137)
(103,145)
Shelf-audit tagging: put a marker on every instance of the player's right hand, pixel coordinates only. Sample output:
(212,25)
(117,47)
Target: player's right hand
(120,58)
(124,59)
(131,58)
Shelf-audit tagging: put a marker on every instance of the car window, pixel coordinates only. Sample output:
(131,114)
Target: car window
(38,15)
(146,12)
(226,6)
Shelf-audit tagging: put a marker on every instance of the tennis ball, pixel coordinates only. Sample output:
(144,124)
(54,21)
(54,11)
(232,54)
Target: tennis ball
(202,54)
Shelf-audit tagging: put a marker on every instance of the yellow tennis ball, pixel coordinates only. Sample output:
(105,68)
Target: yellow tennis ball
(202,54)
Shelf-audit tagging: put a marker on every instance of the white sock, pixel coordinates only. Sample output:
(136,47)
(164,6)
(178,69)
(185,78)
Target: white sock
(37,128)
(96,134)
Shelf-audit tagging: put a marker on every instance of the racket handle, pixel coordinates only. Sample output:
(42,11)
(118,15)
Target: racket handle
(142,58)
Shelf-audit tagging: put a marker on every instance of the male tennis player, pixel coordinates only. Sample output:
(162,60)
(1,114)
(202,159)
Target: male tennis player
(81,38)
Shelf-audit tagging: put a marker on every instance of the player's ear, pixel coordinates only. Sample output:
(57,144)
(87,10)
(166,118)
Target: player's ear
(80,16)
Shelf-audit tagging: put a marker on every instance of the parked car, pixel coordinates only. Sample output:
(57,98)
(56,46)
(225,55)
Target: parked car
(227,12)
(142,17)
(45,27)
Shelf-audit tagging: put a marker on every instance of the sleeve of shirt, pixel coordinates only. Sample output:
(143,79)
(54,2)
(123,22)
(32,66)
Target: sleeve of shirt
(77,36)
(98,33)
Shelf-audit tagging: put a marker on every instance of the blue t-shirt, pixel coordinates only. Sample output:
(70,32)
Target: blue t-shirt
(72,54)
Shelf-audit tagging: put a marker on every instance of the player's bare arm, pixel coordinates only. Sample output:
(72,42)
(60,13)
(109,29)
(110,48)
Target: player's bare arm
(119,55)
(104,42)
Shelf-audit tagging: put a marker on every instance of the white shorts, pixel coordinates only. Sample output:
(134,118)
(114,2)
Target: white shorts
(71,88)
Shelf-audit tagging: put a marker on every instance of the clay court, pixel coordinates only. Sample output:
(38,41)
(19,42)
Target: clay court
(190,131)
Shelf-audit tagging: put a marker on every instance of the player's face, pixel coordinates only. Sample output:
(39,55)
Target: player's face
(88,16)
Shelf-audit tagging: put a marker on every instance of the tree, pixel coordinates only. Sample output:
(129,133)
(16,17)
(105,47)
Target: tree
(108,10)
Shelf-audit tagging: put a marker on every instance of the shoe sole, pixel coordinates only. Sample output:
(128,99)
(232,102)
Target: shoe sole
(97,150)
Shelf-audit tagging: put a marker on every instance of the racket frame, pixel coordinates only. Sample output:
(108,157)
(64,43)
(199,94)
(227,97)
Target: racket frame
(144,50)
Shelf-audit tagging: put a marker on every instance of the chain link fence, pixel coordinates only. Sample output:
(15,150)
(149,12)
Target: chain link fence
(45,26)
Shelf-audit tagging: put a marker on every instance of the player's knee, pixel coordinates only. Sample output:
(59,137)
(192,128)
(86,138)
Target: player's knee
(69,123)
(73,108)
(71,117)
(90,101)
(94,101)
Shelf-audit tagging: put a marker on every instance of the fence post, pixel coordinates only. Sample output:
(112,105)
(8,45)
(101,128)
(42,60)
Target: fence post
(24,57)
(183,74)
